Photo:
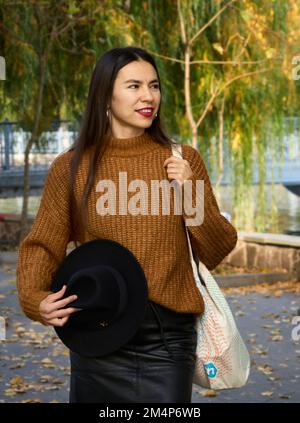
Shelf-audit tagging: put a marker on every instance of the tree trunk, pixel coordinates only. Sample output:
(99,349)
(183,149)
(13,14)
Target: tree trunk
(33,138)
(221,135)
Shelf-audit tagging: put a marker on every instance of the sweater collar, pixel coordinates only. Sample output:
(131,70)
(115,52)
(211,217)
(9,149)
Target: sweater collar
(133,146)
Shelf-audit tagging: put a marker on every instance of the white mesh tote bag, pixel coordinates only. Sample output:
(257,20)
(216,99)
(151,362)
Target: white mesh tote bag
(223,361)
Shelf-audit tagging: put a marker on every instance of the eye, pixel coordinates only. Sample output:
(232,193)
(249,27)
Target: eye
(136,85)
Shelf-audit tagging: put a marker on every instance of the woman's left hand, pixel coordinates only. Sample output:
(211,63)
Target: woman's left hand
(178,169)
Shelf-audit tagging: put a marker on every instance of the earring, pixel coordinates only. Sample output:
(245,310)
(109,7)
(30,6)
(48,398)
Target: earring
(107,112)
(155,114)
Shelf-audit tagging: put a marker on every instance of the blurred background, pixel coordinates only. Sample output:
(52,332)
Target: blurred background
(230,86)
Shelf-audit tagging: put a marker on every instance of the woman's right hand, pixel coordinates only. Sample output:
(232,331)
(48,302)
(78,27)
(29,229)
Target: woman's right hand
(51,310)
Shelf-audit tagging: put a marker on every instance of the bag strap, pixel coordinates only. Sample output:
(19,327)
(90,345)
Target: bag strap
(177,152)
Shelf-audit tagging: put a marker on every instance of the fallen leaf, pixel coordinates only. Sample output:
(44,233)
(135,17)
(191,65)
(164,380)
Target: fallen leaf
(276,338)
(17,366)
(20,331)
(51,388)
(284,396)
(275,331)
(267,393)
(273,378)
(17,380)
(266,369)
(259,350)
(29,400)
(240,313)
(46,362)
(10,392)
(209,393)
(270,316)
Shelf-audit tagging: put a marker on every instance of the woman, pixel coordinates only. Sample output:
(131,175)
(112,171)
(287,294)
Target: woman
(122,140)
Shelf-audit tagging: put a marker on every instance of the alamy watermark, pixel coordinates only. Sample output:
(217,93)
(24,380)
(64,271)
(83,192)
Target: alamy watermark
(139,203)
(2,68)
(296,329)
(2,329)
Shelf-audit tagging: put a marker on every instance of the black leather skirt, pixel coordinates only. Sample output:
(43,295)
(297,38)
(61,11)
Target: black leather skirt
(156,365)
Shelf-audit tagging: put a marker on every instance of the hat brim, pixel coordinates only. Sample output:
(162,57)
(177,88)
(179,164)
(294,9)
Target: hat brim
(99,341)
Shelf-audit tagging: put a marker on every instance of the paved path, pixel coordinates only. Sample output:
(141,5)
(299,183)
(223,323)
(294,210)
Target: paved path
(34,364)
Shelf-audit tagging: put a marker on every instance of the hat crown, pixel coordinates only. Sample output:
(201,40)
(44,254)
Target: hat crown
(99,287)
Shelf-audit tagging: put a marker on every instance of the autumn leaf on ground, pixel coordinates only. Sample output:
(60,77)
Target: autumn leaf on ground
(275,338)
(17,380)
(240,313)
(209,393)
(267,393)
(266,369)
(46,378)
(46,362)
(284,396)
(20,331)
(18,386)
(273,378)
(270,316)
(17,366)
(258,349)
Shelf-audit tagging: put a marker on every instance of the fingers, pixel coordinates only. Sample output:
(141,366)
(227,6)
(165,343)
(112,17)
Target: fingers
(173,176)
(179,171)
(61,303)
(173,166)
(62,313)
(173,159)
(59,322)
(52,308)
(57,295)
(176,168)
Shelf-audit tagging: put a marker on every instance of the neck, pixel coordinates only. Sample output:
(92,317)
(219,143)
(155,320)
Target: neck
(125,134)
(131,146)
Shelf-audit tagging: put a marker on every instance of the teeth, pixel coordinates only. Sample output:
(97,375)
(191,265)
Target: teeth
(145,110)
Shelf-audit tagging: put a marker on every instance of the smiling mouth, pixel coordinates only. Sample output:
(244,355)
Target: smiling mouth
(145,113)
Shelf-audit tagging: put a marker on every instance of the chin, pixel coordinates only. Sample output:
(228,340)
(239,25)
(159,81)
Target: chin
(144,125)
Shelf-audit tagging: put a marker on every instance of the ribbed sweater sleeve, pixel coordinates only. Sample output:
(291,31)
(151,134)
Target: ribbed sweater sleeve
(45,245)
(215,231)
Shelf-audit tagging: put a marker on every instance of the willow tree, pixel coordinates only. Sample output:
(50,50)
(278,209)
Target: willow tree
(32,37)
(233,83)
(221,62)
(50,49)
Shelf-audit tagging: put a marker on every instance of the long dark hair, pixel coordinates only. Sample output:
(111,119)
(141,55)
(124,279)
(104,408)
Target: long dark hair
(95,123)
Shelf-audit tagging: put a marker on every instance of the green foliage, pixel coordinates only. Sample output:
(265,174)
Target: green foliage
(255,106)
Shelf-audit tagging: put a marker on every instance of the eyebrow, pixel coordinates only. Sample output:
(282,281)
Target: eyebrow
(135,80)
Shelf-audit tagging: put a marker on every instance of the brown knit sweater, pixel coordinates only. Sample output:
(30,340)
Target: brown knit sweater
(158,241)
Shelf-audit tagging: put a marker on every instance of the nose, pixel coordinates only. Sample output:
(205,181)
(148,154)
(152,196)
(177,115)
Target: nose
(147,94)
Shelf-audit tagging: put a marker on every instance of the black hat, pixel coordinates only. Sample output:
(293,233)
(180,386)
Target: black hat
(112,292)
